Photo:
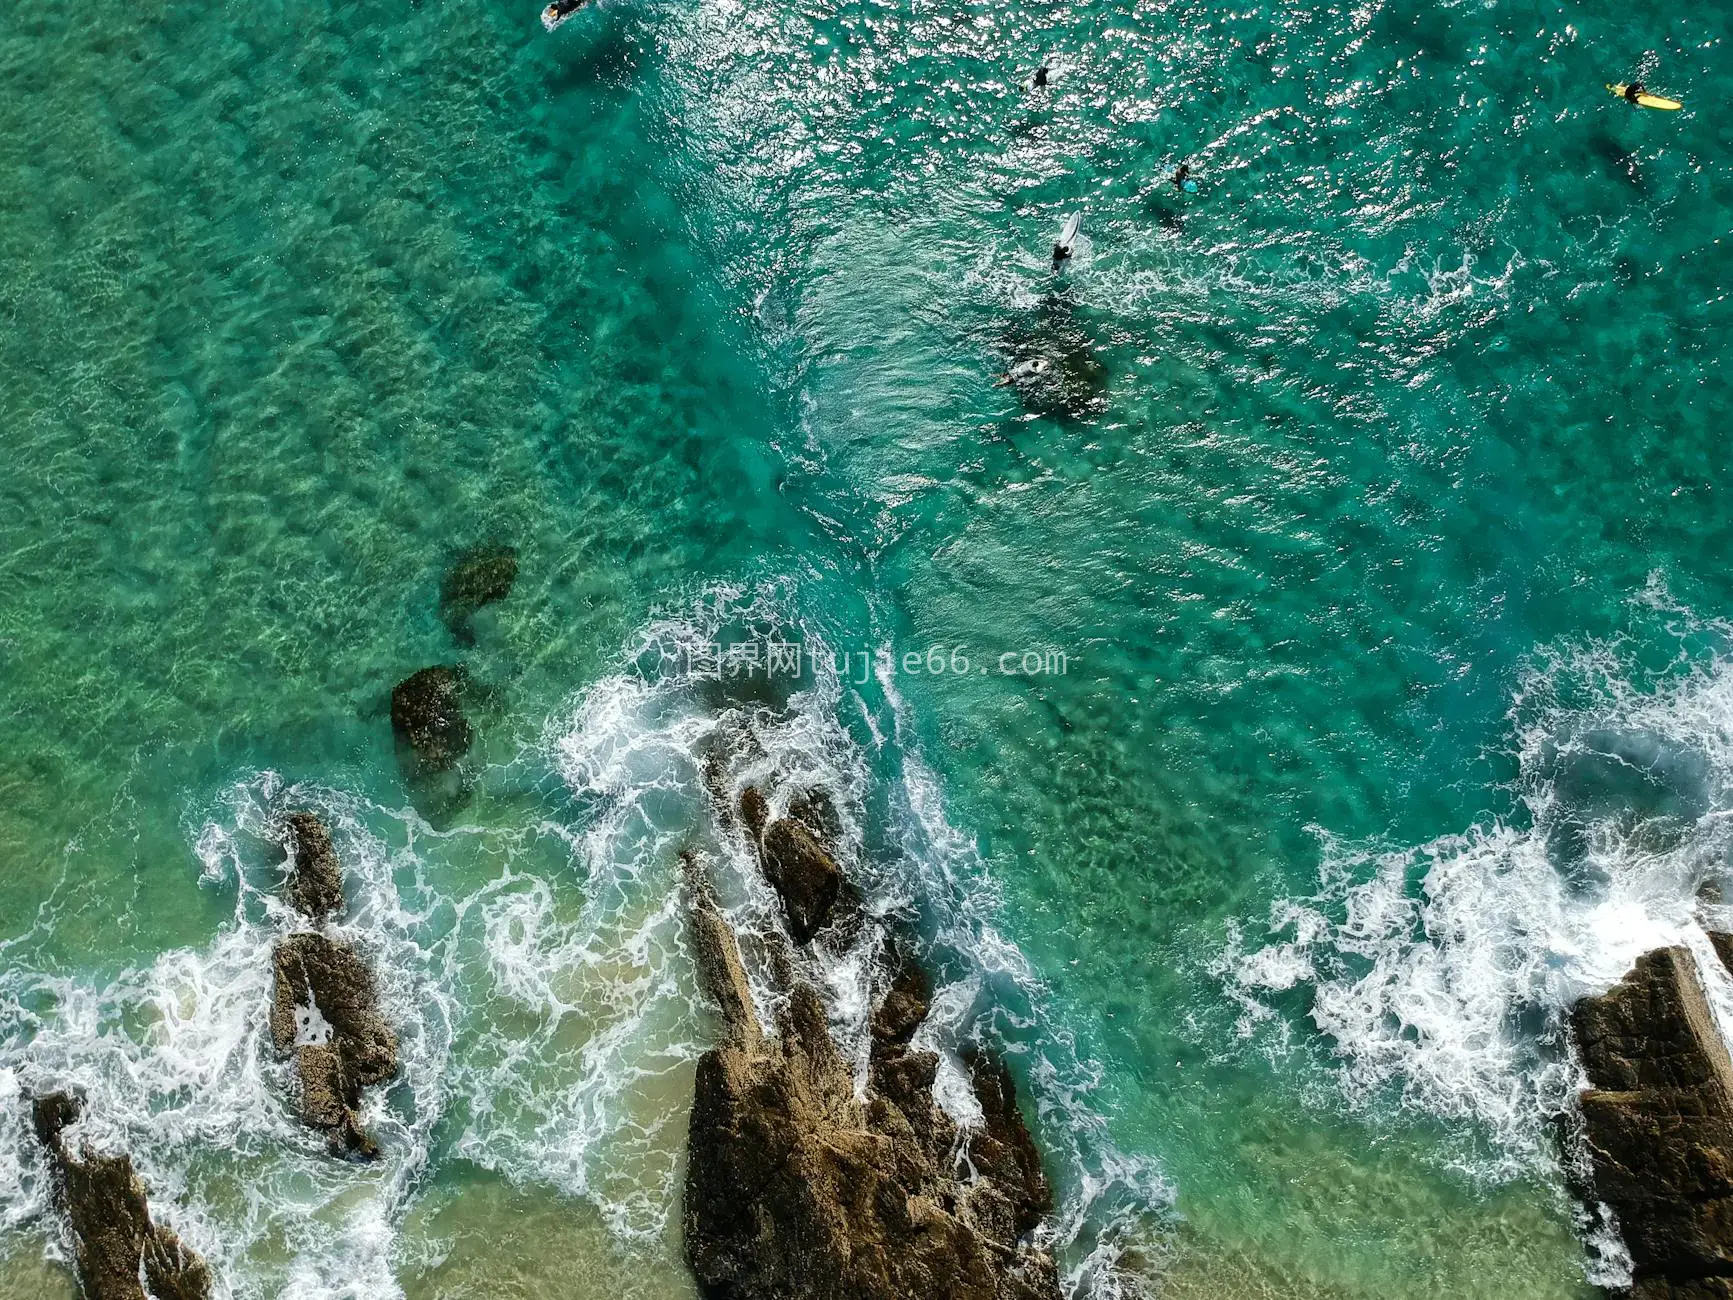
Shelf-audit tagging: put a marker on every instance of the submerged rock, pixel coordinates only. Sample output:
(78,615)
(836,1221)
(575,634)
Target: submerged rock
(1051,363)
(118,1252)
(315,884)
(479,578)
(427,716)
(798,1190)
(1658,1122)
(325,1009)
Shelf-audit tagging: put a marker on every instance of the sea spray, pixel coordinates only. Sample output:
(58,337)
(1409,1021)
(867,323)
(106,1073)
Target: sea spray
(638,744)
(176,1066)
(1444,971)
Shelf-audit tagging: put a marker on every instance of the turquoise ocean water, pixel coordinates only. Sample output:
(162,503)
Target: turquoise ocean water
(1372,496)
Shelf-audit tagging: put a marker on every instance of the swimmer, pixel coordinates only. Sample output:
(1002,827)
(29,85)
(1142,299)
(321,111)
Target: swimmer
(1041,75)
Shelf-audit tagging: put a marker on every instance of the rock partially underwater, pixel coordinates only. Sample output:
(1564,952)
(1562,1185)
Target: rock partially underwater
(427,716)
(1051,363)
(325,1010)
(1658,1123)
(324,1006)
(433,736)
(798,866)
(479,578)
(118,1252)
(315,883)
(798,1189)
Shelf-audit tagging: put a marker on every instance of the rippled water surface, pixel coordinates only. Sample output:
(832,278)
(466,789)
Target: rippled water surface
(1371,499)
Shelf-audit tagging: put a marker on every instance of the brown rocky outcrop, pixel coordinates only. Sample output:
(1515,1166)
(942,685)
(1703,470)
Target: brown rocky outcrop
(325,1009)
(798,866)
(478,578)
(315,884)
(798,1190)
(1658,1122)
(118,1252)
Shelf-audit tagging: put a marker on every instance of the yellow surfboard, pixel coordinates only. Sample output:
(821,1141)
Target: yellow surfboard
(1647,100)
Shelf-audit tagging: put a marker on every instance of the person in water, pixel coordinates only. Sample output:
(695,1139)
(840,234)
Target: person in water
(1041,75)
(1179,177)
(564,8)
(1060,253)
(1633,90)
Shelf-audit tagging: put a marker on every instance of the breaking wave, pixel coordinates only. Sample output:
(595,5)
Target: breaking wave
(538,979)
(640,743)
(1443,972)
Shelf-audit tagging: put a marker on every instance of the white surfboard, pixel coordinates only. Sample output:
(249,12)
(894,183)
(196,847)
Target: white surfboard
(1073,224)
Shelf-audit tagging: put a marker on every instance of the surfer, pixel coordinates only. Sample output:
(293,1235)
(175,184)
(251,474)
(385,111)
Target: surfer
(1633,91)
(1033,368)
(1062,246)
(560,10)
(1041,75)
(1179,177)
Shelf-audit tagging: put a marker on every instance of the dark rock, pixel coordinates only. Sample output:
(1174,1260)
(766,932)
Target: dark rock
(1723,947)
(1004,1151)
(173,1269)
(325,1009)
(427,716)
(797,1190)
(479,578)
(754,811)
(108,1214)
(796,863)
(1658,1123)
(804,875)
(904,1007)
(1051,363)
(315,884)
(815,810)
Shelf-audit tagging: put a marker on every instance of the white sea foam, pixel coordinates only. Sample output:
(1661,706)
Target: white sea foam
(636,743)
(1445,971)
(175,1065)
(552,1011)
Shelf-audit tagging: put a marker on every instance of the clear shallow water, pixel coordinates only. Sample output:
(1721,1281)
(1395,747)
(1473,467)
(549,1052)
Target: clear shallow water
(1390,467)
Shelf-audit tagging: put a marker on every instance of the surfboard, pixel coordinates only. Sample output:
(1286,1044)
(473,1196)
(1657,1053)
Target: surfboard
(1073,224)
(552,18)
(1647,100)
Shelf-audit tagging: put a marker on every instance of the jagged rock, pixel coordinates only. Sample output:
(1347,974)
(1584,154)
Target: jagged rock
(173,1269)
(114,1242)
(427,716)
(1005,1155)
(797,1190)
(324,1009)
(479,578)
(315,884)
(800,868)
(754,810)
(815,810)
(1658,1123)
(903,1007)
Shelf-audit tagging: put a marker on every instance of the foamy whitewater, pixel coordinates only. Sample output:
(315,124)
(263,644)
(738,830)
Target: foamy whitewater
(1445,971)
(561,1040)
(177,1068)
(638,742)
